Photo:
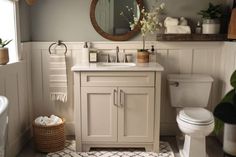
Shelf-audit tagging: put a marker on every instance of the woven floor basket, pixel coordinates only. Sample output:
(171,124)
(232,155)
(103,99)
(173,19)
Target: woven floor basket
(49,138)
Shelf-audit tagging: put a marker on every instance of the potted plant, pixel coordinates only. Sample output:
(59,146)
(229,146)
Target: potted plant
(149,23)
(225,113)
(4,57)
(211,19)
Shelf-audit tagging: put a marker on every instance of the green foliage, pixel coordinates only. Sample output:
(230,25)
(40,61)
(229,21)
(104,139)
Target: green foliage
(225,111)
(4,43)
(213,12)
(233,79)
(229,97)
(218,125)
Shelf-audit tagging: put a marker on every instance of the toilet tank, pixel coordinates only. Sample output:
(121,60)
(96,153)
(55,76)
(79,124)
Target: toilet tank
(189,90)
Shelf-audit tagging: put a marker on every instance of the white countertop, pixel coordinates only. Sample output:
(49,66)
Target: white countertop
(99,67)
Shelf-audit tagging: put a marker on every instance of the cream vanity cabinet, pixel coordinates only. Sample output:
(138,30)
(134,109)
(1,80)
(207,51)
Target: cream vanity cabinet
(120,114)
(117,109)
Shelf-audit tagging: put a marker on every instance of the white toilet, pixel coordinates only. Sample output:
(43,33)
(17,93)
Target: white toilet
(189,94)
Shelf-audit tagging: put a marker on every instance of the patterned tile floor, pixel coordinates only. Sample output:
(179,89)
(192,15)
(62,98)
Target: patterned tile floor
(214,148)
(69,151)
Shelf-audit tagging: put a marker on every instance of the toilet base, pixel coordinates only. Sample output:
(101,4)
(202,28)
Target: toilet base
(191,146)
(182,154)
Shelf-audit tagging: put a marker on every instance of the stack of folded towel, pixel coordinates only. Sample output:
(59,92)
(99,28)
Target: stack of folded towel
(176,26)
(48,121)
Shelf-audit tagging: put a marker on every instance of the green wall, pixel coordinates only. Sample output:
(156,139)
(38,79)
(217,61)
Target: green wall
(68,20)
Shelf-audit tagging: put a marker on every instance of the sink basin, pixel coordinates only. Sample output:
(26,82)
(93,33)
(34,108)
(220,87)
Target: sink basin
(3,124)
(117,64)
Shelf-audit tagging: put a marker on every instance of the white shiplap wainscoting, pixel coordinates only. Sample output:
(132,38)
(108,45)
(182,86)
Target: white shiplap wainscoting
(228,65)
(176,57)
(15,84)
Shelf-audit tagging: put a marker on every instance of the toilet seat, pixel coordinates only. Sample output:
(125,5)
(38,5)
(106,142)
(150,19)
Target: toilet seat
(196,116)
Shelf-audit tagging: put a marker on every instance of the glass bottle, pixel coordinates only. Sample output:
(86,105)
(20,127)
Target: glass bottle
(198,28)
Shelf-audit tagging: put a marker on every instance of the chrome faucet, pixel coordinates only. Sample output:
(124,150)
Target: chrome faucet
(117,54)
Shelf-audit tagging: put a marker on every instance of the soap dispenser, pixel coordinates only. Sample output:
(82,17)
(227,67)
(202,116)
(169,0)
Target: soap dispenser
(85,54)
(198,28)
(152,56)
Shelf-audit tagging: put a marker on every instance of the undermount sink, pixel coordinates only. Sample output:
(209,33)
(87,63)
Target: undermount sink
(117,64)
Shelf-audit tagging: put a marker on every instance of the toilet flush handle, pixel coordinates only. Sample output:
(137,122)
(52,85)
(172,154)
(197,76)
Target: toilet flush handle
(176,84)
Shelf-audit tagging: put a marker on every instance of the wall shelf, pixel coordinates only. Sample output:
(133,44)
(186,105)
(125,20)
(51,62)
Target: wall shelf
(192,37)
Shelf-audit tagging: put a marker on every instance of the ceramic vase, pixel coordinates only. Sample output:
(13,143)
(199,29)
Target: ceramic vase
(142,56)
(229,143)
(4,57)
(210,26)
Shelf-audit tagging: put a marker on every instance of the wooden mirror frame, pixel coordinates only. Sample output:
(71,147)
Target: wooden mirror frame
(108,36)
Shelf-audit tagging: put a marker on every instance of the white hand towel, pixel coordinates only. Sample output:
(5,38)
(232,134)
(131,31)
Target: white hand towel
(169,21)
(39,120)
(178,30)
(58,77)
(46,121)
(55,120)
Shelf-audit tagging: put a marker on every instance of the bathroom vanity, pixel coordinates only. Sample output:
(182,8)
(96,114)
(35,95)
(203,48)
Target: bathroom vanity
(117,105)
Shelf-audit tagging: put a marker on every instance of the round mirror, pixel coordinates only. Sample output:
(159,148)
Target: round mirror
(111,18)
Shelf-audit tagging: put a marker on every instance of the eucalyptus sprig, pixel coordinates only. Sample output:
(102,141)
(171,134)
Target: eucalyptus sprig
(4,43)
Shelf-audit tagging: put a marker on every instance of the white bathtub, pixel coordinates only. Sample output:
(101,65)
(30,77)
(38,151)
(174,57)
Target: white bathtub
(3,124)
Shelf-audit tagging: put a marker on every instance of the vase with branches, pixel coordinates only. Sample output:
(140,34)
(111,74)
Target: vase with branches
(149,23)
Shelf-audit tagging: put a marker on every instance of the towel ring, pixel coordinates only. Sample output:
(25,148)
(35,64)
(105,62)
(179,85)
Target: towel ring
(59,43)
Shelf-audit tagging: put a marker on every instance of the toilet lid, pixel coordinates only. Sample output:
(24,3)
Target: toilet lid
(196,116)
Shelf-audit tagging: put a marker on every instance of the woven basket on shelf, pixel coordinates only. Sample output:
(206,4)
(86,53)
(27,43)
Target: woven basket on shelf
(49,138)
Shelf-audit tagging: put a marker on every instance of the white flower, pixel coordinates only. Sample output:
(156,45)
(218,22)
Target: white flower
(162,6)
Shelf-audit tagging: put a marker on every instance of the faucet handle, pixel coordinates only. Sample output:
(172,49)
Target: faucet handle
(117,49)
(117,54)
(126,59)
(108,58)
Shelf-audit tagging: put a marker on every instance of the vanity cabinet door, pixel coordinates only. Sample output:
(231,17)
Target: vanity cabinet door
(99,113)
(136,114)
